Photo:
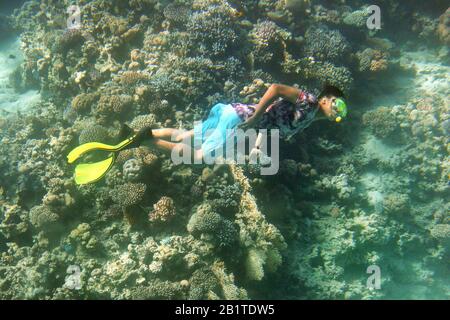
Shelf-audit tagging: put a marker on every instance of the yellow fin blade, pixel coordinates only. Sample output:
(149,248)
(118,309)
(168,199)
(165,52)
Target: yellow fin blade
(92,172)
(90,146)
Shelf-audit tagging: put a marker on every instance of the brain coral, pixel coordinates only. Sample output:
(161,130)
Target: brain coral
(132,169)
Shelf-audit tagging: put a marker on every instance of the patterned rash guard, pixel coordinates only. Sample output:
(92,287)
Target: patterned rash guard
(284,115)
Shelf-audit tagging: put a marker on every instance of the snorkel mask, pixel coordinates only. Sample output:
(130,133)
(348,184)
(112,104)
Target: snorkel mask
(340,107)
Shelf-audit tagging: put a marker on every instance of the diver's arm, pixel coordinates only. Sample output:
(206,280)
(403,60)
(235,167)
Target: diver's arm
(274,92)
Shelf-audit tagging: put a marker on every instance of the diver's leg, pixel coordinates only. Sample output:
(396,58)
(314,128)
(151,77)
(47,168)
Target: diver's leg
(171,134)
(163,133)
(179,148)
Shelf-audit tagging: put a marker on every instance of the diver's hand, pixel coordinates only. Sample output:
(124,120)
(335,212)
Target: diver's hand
(143,134)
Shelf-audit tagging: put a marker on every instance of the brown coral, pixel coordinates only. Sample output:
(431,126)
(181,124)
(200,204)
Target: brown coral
(443,29)
(109,105)
(163,210)
(131,78)
(83,102)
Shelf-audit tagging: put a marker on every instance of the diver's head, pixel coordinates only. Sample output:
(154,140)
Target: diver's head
(331,101)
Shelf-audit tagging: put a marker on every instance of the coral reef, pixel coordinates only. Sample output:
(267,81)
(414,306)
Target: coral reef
(368,191)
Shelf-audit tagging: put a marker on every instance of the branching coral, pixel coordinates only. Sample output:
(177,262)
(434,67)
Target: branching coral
(204,220)
(42,217)
(325,44)
(128,194)
(163,210)
(269,41)
(213,31)
(262,240)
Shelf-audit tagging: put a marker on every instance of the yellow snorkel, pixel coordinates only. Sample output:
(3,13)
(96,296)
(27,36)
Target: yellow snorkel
(340,108)
(92,172)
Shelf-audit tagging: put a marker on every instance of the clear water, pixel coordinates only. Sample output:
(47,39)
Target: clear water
(358,210)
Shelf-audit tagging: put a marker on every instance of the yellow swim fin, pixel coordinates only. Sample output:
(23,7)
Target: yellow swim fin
(91,146)
(92,172)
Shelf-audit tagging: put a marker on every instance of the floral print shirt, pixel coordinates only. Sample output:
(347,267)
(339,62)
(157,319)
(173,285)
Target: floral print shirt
(284,115)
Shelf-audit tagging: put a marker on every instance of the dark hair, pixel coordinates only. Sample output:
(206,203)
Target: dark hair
(329,90)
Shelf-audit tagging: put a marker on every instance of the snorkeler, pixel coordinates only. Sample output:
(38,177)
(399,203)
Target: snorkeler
(286,108)
(282,107)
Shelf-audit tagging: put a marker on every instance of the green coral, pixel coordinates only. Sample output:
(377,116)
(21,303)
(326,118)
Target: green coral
(204,220)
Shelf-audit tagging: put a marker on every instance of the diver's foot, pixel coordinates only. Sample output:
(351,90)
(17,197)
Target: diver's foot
(138,137)
(125,132)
